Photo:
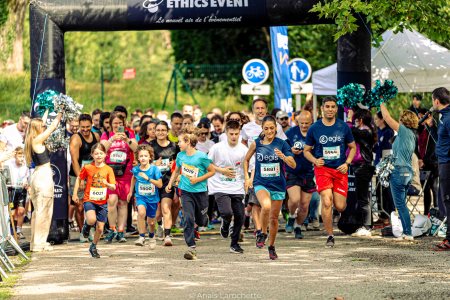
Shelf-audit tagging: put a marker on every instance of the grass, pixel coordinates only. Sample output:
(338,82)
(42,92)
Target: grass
(8,284)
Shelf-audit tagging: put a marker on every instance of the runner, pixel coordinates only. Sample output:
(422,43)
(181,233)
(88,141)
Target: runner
(195,169)
(272,156)
(146,178)
(227,185)
(300,181)
(328,138)
(99,178)
(165,154)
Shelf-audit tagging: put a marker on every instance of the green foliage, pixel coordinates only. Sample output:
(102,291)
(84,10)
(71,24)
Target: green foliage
(4,12)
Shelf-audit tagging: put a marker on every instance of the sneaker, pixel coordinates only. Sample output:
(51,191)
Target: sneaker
(298,233)
(152,244)
(330,241)
(361,232)
(20,235)
(110,236)
(442,246)
(404,237)
(140,241)
(304,227)
(315,225)
(85,231)
(236,249)
(131,230)
(120,237)
(290,225)
(83,239)
(160,233)
(175,230)
(196,235)
(202,228)
(167,241)
(190,254)
(47,247)
(224,228)
(272,253)
(93,251)
(261,240)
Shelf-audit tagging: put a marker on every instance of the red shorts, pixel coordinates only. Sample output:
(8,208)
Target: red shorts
(328,178)
(122,188)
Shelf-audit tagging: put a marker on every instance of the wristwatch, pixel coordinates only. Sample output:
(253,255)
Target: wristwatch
(130,142)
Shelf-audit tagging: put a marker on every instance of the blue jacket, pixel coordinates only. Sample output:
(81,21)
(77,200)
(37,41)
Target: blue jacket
(443,143)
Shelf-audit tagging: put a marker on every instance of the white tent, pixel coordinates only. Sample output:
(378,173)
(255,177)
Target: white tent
(413,62)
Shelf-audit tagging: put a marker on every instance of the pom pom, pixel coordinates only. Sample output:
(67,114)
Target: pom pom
(382,93)
(384,170)
(70,109)
(57,140)
(44,101)
(350,95)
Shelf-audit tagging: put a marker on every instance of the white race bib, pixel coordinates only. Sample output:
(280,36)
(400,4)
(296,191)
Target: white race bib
(189,171)
(146,189)
(97,194)
(86,162)
(165,164)
(331,153)
(117,157)
(270,170)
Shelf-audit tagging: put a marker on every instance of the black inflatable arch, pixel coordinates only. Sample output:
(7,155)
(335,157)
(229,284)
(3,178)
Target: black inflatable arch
(50,19)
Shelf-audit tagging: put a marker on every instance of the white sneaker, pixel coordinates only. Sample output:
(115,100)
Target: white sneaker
(83,239)
(303,228)
(360,232)
(160,233)
(152,243)
(140,241)
(202,229)
(167,241)
(404,238)
(316,225)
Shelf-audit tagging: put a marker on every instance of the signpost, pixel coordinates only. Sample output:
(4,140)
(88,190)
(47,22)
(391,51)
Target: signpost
(255,72)
(301,72)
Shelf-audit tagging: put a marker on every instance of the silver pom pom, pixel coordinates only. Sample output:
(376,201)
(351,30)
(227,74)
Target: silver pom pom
(384,170)
(70,108)
(57,140)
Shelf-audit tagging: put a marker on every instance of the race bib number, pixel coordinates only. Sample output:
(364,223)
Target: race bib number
(97,194)
(118,157)
(86,162)
(270,170)
(165,164)
(189,171)
(146,189)
(331,153)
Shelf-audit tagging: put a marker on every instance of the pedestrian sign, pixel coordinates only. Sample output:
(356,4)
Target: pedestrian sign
(300,70)
(255,72)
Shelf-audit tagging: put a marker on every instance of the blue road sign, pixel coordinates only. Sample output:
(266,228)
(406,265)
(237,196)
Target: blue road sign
(300,70)
(255,72)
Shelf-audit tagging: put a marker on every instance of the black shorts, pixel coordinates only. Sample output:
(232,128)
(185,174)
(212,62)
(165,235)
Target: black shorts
(18,196)
(163,194)
(252,199)
(307,184)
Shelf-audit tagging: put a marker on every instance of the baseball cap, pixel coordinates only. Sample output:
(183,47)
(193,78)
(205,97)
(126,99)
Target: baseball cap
(282,114)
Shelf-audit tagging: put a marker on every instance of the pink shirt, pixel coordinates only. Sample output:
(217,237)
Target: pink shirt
(119,152)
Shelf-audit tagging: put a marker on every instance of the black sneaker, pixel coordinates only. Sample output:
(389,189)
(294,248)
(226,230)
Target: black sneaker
(224,228)
(272,253)
(261,240)
(93,251)
(330,241)
(131,230)
(236,249)
(298,233)
(85,230)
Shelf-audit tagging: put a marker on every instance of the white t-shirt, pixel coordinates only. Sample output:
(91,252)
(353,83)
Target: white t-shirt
(19,174)
(223,155)
(204,146)
(251,131)
(12,137)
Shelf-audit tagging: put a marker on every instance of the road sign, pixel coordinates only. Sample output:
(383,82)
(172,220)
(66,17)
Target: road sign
(256,90)
(300,70)
(255,72)
(129,74)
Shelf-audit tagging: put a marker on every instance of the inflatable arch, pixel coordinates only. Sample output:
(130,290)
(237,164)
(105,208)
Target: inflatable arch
(50,19)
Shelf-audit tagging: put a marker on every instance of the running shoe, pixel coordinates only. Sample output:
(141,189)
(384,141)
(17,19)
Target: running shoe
(224,228)
(131,230)
(175,230)
(140,241)
(442,246)
(304,227)
(196,235)
(110,236)
(190,254)
(361,232)
(272,253)
(160,232)
(167,241)
(85,230)
(236,249)
(83,239)
(202,228)
(298,233)
(290,225)
(120,237)
(261,240)
(152,243)
(404,237)
(315,225)
(330,241)
(93,251)
(20,235)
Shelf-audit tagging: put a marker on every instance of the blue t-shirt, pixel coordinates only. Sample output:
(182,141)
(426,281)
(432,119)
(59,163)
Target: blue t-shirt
(443,142)
(145,190)
(330,142)
(304,167)
(269,168)
(193,166)
(403,147)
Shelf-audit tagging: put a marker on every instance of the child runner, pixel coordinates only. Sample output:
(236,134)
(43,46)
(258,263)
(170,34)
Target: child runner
(99,177)
(272,156)
(196,168)
(146,178)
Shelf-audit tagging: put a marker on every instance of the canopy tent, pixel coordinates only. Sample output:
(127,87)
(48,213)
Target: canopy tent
(412,61)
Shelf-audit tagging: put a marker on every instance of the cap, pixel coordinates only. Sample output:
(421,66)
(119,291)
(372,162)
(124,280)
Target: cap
(282,114)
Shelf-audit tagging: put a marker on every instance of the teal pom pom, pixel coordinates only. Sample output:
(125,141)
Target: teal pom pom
(350,95)
(382,93)
(44,101)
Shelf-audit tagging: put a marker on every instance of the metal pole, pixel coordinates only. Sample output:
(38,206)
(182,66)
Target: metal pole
(102,80)
(175,87)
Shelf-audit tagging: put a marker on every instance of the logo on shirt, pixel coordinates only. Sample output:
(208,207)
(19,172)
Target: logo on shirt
(261,157)
(333,139)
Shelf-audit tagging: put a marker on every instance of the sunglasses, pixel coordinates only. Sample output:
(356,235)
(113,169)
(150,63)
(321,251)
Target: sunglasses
(284,119)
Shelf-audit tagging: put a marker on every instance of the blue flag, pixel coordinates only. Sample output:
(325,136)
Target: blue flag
(281,75)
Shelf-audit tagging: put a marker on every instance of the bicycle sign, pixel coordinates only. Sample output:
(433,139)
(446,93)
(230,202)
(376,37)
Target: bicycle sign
(255,72)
